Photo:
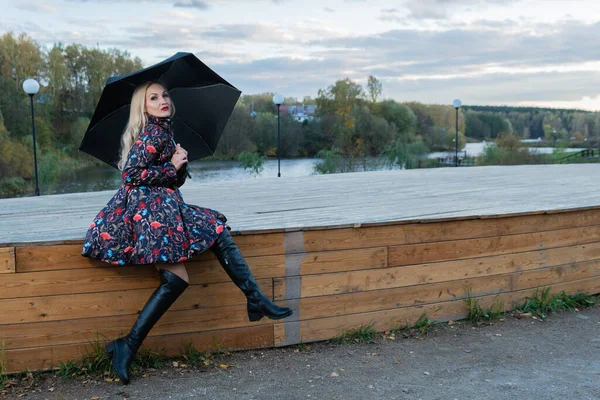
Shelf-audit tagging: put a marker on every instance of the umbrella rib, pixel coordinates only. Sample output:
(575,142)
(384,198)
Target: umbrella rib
(199,87)
(192,129)
(117,110)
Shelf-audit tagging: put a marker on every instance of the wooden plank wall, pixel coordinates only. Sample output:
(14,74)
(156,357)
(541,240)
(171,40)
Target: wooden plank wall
(53,302)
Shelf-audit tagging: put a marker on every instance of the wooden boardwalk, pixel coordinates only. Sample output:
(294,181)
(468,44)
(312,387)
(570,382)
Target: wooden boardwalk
(343,251)
(333,200)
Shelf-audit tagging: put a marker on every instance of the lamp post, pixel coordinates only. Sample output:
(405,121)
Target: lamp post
(456,104)
(278,100)
(31,87)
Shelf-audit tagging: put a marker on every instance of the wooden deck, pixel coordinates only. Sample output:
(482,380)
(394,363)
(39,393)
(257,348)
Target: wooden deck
(341,250)
(333,200)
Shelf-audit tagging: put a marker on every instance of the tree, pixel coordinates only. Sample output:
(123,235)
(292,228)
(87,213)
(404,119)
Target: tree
(374,88)
(235,138)
(21,58)
(403,118)
(340,99)
(57,71)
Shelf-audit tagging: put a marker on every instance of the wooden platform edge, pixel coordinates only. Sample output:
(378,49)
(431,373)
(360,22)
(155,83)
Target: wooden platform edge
(284,230)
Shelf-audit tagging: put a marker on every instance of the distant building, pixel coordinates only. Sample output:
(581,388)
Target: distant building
(302,113)
(299,113)
(284,110)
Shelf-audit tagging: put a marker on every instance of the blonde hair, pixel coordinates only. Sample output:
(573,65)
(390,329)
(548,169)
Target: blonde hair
(137,120)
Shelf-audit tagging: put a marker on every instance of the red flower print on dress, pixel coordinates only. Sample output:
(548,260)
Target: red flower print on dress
(146,197)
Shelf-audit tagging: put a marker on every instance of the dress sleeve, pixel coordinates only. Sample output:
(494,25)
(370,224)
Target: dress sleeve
(181,176)
(143,165)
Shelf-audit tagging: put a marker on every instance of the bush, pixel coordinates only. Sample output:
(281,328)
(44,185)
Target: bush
(252,161)
(331,162)
(494,155)
(13,187)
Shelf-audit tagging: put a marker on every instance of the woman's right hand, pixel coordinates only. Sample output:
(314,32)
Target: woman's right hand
(179,159)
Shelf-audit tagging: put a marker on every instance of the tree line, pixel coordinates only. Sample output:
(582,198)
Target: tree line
(355,124)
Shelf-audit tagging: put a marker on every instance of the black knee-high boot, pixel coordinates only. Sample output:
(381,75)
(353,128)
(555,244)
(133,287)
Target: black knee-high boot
(123,350)
(234,264)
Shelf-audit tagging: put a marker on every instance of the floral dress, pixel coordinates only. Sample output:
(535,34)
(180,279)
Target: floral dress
(147,220)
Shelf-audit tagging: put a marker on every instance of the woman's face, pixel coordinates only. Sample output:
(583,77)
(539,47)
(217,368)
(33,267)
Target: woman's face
(158,102)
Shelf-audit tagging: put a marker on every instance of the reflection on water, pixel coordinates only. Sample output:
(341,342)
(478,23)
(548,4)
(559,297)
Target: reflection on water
(476,150)
(107,178)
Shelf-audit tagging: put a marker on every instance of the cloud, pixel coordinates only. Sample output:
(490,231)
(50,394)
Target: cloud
(390,15)
(482,61)
(201,5)
(442,9)
(36,6)
(327,9)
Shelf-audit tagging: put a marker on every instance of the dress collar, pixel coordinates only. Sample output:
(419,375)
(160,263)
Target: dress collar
(164,122)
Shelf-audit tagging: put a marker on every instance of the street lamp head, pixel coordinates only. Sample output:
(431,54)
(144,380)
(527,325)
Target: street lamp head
(278,99)
(456,103)
(31,86)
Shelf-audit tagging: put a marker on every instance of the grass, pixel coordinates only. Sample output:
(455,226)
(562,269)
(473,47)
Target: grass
(363,334)
(477,315)
(420,328)
(303,347)
(145,359)
(195,358)
(97,360)
(541,303)
(68,369)
(3,377)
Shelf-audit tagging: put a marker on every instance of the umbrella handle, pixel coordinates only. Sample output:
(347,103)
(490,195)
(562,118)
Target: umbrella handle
(187,172)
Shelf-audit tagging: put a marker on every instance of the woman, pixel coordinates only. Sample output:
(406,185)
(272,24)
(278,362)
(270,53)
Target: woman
(147,222)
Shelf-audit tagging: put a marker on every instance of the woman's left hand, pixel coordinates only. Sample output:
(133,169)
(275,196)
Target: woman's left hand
(180,157)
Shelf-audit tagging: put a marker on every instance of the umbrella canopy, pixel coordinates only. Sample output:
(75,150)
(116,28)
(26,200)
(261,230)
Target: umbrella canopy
(203,102)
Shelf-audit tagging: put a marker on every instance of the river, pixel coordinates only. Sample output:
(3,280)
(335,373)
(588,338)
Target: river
(107,178)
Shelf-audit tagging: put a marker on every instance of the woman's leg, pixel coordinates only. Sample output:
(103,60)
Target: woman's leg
(177,269)
(173,282)
(236,267)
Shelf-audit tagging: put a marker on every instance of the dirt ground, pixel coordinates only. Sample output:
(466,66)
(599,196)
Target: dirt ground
(511,359)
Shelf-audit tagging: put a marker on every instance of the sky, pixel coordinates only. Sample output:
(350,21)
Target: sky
(483,52)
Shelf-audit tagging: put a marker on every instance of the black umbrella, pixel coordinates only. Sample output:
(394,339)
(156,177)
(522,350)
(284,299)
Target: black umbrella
(203,103)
